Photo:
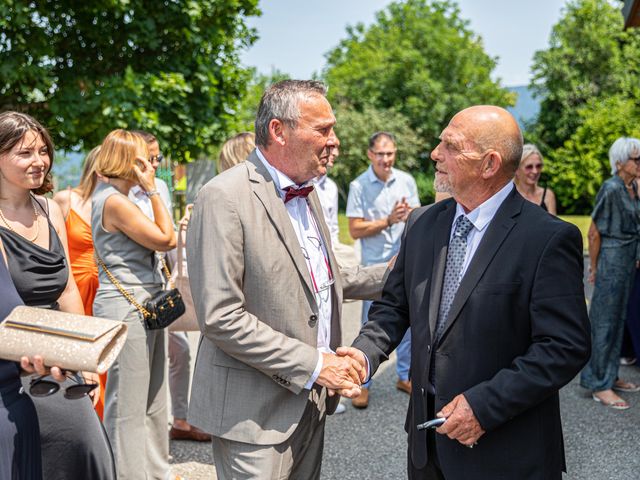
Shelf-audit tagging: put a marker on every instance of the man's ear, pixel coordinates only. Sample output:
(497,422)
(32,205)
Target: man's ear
(492,164)
(276,132)
(370,154)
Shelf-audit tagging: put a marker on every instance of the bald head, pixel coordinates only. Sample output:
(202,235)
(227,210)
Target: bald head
(492,127)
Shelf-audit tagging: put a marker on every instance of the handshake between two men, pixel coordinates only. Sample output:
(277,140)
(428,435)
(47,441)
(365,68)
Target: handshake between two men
(343,372)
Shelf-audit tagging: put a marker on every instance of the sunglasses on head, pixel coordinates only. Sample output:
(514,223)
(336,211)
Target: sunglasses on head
(41,387)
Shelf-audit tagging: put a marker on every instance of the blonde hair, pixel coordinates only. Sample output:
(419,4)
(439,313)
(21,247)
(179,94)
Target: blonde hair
(117,154)
(89,178)
(236,150)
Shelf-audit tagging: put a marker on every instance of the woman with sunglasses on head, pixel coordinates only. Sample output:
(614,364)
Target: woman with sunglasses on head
(528,176)
(125,242)
(614,238)
(34,242)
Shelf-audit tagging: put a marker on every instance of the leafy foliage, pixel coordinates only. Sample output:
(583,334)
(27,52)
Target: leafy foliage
(354,129)
(245,113)
(578,168)
(84,68)
(589,82)
(590,56)
(418,58)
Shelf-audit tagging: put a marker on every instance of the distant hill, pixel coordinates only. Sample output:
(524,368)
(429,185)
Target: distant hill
(526,108)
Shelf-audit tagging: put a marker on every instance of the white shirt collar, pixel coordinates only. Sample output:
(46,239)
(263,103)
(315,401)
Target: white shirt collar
(320,181)
(279,178)
(137,191)
(484,213)
(374,178)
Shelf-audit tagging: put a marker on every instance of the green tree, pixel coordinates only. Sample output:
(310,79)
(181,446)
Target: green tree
(577,169)
(354,128)
(589,83)
(245,113)
(419,58)
(590,57)
(84,68)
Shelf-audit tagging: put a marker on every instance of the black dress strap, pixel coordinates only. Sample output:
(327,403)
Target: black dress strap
(542,204)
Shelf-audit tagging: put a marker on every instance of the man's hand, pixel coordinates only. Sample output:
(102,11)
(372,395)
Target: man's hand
(343,374)
(461,424)
(399,213)
(36,365)
(358,356)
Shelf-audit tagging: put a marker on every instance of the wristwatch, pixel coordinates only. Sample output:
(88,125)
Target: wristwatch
(151,193)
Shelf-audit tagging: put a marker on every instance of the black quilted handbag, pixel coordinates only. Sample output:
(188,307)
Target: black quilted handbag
(163,309)
(159,311)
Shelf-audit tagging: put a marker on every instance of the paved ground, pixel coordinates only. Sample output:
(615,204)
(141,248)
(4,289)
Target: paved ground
(601,444)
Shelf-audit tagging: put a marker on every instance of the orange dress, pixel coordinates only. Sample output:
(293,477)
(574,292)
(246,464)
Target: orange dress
(85,273)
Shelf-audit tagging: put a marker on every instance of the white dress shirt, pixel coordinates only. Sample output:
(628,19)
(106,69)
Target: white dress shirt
(328,194)
(317,260)
(137,196)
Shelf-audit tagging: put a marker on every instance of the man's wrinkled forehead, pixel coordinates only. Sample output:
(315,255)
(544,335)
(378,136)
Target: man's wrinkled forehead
(454,137)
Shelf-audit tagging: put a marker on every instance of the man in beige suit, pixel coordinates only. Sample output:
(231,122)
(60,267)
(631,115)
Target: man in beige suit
(268,294)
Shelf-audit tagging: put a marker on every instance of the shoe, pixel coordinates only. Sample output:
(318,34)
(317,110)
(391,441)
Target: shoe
(404,386)
(362,400)
(621,386)
(627,360)
(340,408)
(616,405)
(194,434)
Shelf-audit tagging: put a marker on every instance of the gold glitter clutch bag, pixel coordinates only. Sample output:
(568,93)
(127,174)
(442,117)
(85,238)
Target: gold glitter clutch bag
(69,341)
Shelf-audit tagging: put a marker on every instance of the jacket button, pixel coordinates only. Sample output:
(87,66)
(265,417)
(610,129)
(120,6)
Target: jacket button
(313,319)
(428,348)
(422,391)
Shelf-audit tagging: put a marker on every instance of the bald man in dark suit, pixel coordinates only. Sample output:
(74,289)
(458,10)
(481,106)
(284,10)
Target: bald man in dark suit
(491,286)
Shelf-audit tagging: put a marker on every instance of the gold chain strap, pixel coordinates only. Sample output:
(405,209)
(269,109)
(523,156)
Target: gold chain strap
(126,294)
(167,273)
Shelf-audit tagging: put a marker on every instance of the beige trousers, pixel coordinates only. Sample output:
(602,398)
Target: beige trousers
(135,414)
(298,458)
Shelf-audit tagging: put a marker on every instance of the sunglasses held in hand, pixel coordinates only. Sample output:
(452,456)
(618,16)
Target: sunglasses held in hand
(41,387)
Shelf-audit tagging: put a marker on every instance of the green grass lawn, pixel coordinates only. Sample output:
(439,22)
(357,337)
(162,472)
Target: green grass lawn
(580,221)
(343,225)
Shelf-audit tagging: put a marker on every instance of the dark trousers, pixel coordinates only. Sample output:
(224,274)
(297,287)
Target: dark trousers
(431,470)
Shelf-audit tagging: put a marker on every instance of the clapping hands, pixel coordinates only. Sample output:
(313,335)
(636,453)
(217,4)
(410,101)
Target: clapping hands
(400,212)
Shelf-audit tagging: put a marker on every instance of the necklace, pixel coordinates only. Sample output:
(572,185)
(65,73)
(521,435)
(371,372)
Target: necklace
(35,215)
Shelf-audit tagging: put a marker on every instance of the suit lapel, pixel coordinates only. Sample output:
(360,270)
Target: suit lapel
(265,189)
(496,233)
(442,230)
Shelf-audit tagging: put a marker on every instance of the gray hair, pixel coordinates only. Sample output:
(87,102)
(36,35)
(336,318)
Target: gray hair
(280,102)
(621,150)
(529,149)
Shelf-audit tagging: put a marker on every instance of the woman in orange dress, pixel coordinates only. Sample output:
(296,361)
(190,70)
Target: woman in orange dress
(76,206)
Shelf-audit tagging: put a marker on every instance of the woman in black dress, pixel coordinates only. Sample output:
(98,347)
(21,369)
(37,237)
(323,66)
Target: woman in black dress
(33,235)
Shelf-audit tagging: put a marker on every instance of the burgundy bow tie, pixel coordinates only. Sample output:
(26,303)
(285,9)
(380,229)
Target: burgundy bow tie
(297,192)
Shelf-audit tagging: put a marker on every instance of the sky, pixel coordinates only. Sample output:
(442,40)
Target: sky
(295,34)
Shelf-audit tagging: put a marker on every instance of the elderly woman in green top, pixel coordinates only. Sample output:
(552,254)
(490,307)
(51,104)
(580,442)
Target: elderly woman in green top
(613,251)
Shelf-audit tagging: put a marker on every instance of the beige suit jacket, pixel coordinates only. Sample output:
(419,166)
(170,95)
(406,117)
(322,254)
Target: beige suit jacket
(256,309)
